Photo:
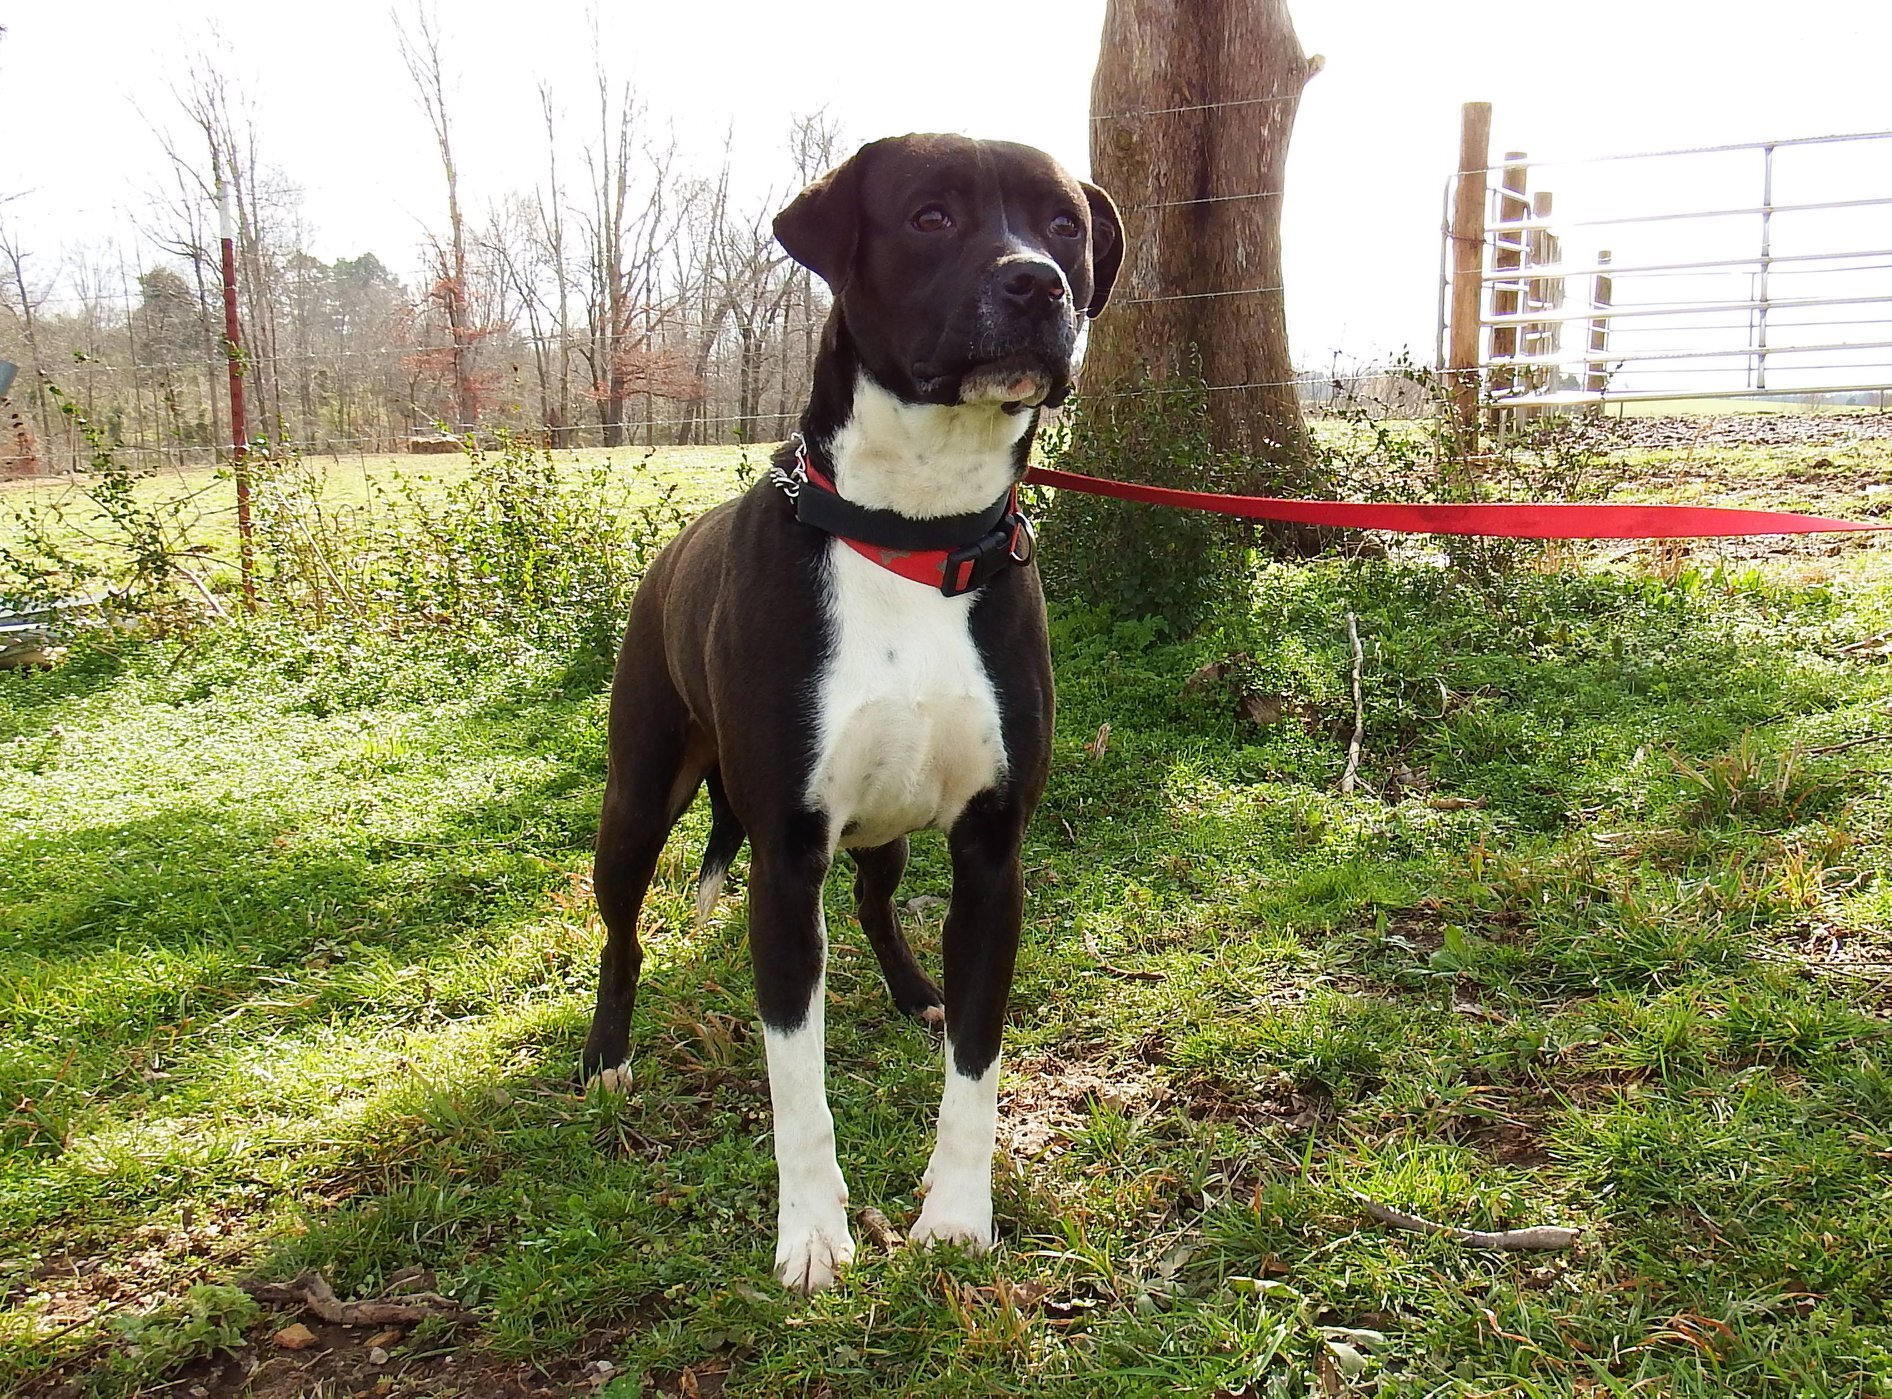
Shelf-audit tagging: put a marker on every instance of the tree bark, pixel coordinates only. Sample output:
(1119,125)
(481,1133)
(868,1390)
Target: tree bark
(1192,106)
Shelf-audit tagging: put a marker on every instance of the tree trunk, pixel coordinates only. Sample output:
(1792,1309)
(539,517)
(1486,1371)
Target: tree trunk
(1192,106)
(454,287)
(210,333)
(1187,380)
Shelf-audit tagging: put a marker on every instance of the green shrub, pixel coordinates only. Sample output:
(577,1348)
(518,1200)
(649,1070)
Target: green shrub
(128,556)
(509,548)
(212,1318)
(509,551)
(1136,560)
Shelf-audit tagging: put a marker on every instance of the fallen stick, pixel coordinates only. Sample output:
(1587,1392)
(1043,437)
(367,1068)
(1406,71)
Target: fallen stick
(311,1291)
(1127,973)
(1351,775)
(1544,1236)
(1826,749)
(879,1228)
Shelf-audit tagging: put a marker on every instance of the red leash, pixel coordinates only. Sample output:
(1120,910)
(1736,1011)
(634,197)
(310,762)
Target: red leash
(1507,521)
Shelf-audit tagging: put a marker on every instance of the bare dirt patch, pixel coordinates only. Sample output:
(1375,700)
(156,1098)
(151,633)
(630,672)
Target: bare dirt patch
(1860,959)
(341,1361)
(1051,1100)
(1513,1142)
(366,1361)
(1747,430)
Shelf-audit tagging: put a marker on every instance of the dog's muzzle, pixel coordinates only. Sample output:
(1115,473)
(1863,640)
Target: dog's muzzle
(1027,335)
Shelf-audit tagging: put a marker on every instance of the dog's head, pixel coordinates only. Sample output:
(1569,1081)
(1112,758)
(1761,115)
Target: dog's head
(961,269)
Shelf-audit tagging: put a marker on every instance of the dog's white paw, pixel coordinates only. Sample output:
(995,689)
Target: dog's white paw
(957,1211)
(807,1258)
(939,1226)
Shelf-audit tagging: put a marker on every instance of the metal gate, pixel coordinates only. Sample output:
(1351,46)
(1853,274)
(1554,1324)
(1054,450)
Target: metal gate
(1756,270)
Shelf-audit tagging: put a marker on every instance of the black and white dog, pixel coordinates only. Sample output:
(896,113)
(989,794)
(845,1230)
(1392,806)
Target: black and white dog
(856,648)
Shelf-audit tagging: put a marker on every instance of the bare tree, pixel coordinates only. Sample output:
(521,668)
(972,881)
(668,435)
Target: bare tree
(705,295)
(555,377)
(27,295)
(226,123)
(421,53)
(185,235)
(756,288)
(610,302)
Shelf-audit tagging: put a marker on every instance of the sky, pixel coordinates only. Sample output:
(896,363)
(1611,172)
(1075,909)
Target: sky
(1375,141)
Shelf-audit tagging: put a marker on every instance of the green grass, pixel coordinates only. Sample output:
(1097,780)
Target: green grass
(298,955)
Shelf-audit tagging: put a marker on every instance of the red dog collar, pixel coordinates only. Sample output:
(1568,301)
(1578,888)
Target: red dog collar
(926,551)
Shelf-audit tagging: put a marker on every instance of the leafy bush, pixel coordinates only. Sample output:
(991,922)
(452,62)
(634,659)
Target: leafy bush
(126,555)
(1136,560)
(1369,454)
(213,1318)
(509,548)
(1185,566)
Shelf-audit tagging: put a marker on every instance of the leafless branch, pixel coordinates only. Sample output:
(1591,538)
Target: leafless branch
(1543,1236)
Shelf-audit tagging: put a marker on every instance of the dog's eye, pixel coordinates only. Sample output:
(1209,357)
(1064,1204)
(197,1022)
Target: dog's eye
(932,219)
(1066,226)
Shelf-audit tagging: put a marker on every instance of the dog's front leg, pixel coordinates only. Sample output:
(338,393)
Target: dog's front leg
(788,942)
(980,947)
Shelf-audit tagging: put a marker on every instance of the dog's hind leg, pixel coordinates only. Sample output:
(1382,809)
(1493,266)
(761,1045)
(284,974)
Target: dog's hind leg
(725,839)
(877,872)
(657,763)
(631,836)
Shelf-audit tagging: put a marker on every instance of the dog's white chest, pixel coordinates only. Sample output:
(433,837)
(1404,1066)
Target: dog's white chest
(907,723)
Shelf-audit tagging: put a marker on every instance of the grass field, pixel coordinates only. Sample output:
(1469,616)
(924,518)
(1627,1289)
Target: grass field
(350,487)
(299,953)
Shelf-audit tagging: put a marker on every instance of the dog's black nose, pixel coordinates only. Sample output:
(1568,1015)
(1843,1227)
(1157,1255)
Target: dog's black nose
(1030,282)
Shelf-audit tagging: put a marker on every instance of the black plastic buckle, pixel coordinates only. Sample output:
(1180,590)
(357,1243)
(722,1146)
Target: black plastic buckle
(1007,543)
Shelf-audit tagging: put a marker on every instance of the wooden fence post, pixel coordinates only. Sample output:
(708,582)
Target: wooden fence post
(1468,265)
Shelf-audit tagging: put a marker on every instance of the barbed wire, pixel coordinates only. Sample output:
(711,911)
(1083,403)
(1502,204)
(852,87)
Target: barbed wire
(1199,295)
(1206,199)
(1199,107)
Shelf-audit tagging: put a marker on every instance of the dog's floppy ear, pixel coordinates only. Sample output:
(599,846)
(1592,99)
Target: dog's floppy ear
(822,225)
(1106,247)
